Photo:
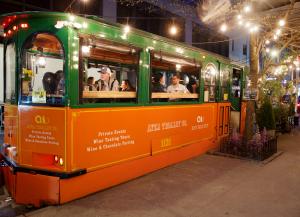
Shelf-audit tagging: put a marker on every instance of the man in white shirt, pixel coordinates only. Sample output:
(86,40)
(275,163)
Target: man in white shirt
(175,87)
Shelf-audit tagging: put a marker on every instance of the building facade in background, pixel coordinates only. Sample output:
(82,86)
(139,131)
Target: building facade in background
(151,16)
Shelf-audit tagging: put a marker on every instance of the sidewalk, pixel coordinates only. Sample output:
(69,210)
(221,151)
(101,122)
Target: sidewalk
(206,186)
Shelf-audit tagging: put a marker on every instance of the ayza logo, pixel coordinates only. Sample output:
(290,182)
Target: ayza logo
(41,119)
(200,119)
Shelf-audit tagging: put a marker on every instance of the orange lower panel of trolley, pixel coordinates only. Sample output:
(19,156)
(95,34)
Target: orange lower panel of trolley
(36,189)
(97,180)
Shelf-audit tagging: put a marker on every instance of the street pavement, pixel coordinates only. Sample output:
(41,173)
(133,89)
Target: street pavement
(206,186)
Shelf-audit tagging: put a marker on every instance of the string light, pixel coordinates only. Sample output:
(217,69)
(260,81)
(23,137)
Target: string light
(277,71)
(173,30)
(267,41)
(84,25)
(179,50)
(127,29)
(268,50)
(247,8)
(275,37)
(278,32)
(248,24)
(41,61)
(72,18)
(85,49)
(281,22)
(254,29)
(223,27)
(178,67)
(274,53)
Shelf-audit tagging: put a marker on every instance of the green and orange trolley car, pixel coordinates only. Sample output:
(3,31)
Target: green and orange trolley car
(66,137)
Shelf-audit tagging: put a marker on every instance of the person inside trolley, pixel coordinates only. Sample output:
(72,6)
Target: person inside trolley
(157,83)
(175,86)
(106,81)
(127,86)
(90,84)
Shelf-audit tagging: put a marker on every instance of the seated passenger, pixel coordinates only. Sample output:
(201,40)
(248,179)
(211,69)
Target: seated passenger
(175,87)
(126,86)
(90,84)
(192,85)
(49,82)
(106,82)
(60,80)
(157,84)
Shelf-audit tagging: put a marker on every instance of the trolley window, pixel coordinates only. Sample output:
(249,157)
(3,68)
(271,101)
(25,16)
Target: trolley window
(10,73)
(224,81)
(43,79)
(174,78)
(108,71)
(210,73)
(236,83)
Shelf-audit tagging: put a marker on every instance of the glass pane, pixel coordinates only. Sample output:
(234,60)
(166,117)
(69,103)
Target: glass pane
(224,77)
(43,79)
(236,82)
(10,62)
(210,73)
(224,93)
(209,94)
(173,82)
(108,72)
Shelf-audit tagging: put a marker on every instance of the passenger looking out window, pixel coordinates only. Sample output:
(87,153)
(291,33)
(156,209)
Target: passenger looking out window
(104,65)
(174,78)
(176,87)
(90,84)
(126,86)
(192,85)
(106,81)
(158,83)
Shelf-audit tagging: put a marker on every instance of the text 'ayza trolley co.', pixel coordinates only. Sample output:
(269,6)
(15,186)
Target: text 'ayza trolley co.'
(89,105)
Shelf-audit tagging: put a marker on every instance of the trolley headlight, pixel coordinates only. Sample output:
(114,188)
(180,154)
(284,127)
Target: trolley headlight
(55,158)
(61,162)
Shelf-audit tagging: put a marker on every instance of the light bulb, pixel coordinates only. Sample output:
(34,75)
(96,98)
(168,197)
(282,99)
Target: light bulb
(126,29)
(173,30)
(223,27)
(281,22)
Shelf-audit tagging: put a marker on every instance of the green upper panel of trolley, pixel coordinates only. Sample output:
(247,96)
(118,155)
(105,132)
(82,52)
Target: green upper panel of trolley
(113,31)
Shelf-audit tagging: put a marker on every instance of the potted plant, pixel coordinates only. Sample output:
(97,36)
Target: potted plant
(265,117)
